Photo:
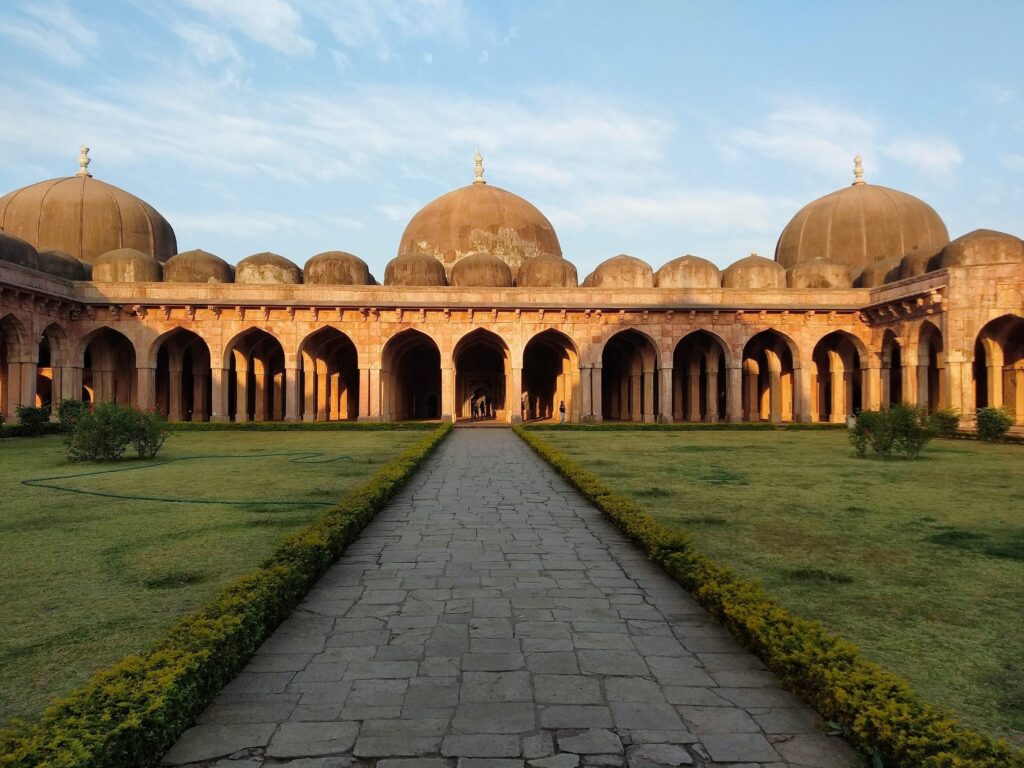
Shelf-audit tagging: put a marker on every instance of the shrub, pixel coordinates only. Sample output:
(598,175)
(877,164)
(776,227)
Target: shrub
(69,412)
(911,429)
(945,422)
(902,429)
(993,423)
(31,420)
(877,710)
(149,431)
(102,435)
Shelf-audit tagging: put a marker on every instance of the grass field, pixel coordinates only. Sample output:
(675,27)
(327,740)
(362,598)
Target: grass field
(920,563)
(86,579)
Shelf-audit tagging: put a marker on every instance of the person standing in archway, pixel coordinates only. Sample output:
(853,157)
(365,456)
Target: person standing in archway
(561,411)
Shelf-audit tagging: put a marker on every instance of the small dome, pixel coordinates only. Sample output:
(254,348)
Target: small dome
(918,263)
(415,269)
(879,273)
(588,281)
(547,271)
(126,265)
(481,270)
(819,273)
(197,267)
(859,226)
(623,271)
(64,265)
(754,272)
(17,251)
(480,218)
(267,269)
(982,246)
(336,268)
(688,272)
(85,217)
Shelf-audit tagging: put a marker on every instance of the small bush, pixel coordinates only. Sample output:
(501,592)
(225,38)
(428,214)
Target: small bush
(102,435)
(69,412)
(945,422)
(148,433)
(31,420)
(904,429)
(993,423)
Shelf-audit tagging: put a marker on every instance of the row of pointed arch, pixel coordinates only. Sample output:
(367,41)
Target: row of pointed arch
(634,380)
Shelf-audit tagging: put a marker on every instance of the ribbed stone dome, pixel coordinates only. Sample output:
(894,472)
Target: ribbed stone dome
(197,266)
(547,271)
(623,271)
(336,268)
(126,265)
(754,272)
(267,268)
(60,264)
(982,246)
(16,251)
(415,269)
(688,272)
(820,273)
(879,273)
(481,270)
(480,218)
(85,217)
(859,226)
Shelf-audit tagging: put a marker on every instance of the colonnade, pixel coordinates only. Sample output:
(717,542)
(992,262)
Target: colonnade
(626,376)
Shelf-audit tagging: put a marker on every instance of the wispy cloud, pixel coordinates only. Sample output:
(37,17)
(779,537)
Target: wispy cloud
(51,29)
(208,45)
(273,23)
(929,154)
(1013,162)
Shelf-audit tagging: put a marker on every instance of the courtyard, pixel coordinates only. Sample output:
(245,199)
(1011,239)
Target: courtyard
(919,563)
(100,560)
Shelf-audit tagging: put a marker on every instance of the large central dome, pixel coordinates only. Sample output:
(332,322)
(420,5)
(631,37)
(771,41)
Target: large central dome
(861,225)
(477,218)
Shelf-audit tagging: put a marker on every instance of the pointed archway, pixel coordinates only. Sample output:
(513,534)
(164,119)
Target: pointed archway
(183,376)
(837,378)
(699,378)
(629,382)
(999,366)
(769,378)
(410,377)
(109,372)
(550,377)
(931,368)
(255,378)
(892,370)
(328,377)
(482,367)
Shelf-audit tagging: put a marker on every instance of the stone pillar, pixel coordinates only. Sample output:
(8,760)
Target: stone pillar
(633,400)
(665,394)
(693,393)
(278,399)
(1018,396)
(734,391)
(147,389)
(448,394)
(364,394)
(241,395)
(711,395)
(291,394)
(29,374)
(678,411)
(596,393)
(514,394)
(648,398)
(322,407)
(775,395)
(309,390)
(995,385)
(586,412)
(175,410)
(375,393)
(752,392)
(260,379)
(218,395)
(334,386)
(200,386)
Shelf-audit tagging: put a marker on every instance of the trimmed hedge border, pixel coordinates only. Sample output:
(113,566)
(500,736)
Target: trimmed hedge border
(878,710)
(130,714)
(15,430)
(690,426)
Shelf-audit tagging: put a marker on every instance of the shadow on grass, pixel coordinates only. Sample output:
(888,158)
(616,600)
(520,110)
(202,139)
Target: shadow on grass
(1009,546)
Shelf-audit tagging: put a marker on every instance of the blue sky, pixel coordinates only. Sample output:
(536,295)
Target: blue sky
(654,129)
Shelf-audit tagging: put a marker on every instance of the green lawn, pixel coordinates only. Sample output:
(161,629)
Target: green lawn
(920,563)
(86,579)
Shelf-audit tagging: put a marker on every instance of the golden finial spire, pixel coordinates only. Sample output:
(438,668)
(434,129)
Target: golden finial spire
(83,162)
(479,168)
(858,171)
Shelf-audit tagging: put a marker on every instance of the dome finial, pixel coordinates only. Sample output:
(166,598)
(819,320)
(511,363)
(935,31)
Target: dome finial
(858,171)
(479,167)
(83,162)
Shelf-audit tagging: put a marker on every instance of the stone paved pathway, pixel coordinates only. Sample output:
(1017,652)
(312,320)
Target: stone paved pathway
(491,618)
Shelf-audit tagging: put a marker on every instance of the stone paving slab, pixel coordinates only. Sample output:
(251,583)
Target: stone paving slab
(490,617)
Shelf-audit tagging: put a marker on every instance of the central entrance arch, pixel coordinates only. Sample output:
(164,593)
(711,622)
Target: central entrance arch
(329,377)
(482,366)
(256,377)
(629,384)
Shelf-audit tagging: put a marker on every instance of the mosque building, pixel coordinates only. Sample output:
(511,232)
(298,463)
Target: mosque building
(866,303)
